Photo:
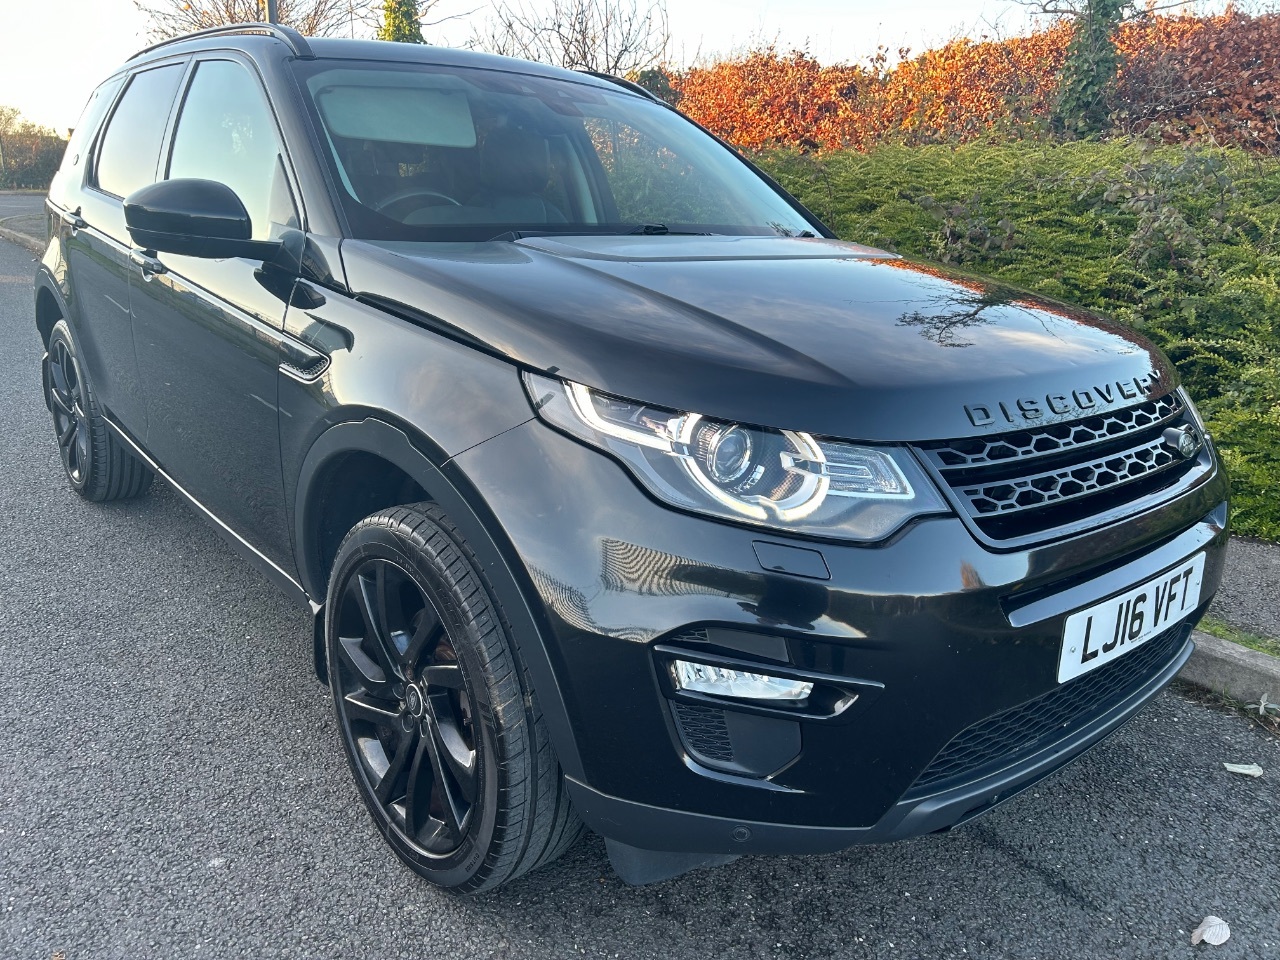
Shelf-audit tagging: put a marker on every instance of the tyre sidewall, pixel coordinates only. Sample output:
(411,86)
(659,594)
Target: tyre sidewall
(62,331)
(458,869)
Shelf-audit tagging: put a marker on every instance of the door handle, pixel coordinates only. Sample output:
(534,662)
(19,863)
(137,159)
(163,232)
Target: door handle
(148,264)
(74,220)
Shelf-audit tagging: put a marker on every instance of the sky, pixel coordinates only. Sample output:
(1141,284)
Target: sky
(55,51)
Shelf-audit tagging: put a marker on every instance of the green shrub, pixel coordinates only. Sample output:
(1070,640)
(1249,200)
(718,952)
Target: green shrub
(1183,245)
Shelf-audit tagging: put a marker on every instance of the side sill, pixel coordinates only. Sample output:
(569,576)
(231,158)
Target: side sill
(248,551)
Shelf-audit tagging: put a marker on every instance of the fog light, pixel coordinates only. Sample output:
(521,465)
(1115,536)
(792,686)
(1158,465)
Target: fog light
(723,682)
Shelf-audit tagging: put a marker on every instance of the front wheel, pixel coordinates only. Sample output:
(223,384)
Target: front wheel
(438,719)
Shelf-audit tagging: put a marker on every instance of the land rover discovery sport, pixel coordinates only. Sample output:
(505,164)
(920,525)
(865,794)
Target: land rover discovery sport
(623,494)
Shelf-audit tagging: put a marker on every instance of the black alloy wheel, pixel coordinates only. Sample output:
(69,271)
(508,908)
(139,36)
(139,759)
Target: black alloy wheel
(439,721)
(98,465)
(405,701)
(66,401)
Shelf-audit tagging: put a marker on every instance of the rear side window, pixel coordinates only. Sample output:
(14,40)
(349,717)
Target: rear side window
(87,126)
(131,146)
(226,133)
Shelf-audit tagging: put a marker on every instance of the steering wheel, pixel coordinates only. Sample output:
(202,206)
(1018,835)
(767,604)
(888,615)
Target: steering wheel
(410,193)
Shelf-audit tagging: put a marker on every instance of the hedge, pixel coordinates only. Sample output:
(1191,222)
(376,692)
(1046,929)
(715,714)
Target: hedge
(1182,79)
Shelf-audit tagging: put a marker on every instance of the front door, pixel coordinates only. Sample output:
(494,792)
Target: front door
(208,333)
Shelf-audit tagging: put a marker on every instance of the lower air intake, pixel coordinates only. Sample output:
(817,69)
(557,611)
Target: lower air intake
(704,732)
(1018,732)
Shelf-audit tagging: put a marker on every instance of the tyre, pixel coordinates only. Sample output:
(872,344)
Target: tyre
(436,712)
(98,466)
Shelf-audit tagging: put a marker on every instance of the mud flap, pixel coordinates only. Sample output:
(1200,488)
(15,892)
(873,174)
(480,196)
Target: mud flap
(636,867)
(317,642)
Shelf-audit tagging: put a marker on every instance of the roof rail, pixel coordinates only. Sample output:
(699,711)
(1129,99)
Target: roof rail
(296,41)
(626,85)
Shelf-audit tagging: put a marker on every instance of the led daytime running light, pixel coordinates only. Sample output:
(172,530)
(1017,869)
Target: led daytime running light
(741,684)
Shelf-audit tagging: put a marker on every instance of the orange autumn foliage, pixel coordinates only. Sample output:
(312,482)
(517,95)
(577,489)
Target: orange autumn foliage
(1203,78)
(1194,78)
(767,98)
(965,89)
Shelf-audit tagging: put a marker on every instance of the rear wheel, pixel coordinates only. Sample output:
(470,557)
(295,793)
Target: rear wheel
(438,719)
(98,466)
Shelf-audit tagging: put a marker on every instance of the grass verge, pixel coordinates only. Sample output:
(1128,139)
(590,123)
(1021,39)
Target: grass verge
(1245,638)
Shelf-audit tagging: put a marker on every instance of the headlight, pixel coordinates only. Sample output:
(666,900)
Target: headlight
(781,479)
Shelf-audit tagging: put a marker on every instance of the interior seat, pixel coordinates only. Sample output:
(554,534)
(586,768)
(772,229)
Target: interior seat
(515,166)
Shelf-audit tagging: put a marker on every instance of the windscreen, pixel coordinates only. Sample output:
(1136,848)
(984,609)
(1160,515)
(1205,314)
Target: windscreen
(428,152)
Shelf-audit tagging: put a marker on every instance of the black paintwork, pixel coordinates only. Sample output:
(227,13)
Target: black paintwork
(815,335)
(196,218)
(290,396)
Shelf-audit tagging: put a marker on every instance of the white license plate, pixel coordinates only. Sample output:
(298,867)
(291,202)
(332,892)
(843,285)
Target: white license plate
(1109,630)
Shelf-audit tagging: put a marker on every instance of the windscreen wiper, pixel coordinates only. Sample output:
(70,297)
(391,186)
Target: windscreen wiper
(662,230)
(512,235)
(643,229)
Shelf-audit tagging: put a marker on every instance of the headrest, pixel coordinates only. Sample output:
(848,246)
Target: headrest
(515,161)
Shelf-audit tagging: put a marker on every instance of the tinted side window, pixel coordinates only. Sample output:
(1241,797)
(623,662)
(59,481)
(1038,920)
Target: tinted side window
(87,125)
(131,146)
(226,133)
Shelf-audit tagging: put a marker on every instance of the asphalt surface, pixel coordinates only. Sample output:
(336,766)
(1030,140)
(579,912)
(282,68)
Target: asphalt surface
(23,214)
(1250,594)
(23,211)
(172,785)
(13,203)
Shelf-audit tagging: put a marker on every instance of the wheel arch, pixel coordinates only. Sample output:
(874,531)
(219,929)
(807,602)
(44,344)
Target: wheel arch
(50,307)
(363,447)
(346,487)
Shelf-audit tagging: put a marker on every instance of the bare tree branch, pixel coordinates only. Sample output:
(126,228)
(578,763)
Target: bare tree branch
(609,36)
(370,14)
(1077,8)
(313,18)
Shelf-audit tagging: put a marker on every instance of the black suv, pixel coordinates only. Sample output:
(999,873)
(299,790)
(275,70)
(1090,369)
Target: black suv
(622,493)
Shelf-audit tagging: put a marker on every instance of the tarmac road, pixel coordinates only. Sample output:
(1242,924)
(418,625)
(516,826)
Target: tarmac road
(14,204)
(1250,595)
(172,786)
(24,213)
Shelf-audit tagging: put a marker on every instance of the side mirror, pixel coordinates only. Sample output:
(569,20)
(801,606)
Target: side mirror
(195,218)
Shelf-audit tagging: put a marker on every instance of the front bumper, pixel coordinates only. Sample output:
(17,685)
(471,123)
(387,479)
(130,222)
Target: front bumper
(660,828)
(947,633)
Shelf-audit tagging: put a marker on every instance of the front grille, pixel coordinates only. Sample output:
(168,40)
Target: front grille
(1067,483)
(1025,484)
(1039,723)
(982,451)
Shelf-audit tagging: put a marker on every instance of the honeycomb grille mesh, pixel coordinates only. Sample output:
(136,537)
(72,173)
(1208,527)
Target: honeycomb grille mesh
(1053,438)
(1025,484)
(1068,483)
(1038,723)
(705,732)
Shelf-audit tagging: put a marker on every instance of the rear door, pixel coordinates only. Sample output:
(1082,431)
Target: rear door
(209,333)
(124,158)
